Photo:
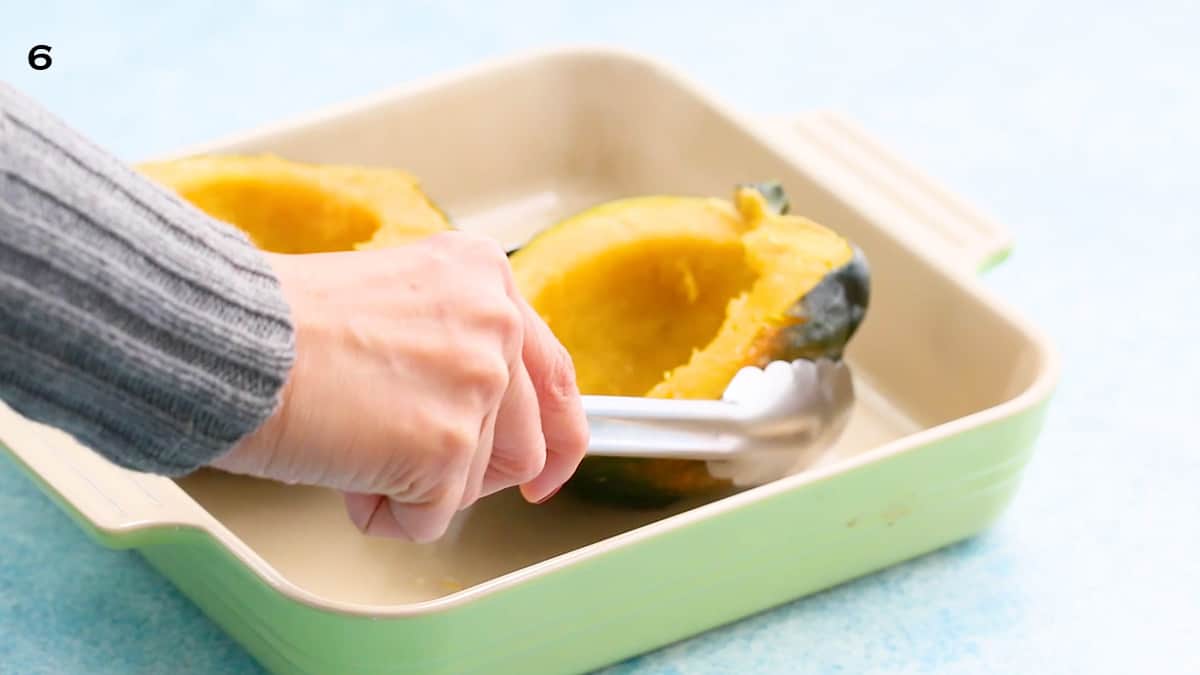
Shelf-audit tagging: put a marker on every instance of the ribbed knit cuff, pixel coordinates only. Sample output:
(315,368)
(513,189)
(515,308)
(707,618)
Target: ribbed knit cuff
(154,334)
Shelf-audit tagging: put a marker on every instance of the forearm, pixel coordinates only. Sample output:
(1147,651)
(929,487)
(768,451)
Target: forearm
(154,334)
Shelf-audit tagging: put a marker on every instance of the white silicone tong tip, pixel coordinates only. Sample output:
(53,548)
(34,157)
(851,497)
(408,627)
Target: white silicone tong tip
(783,411)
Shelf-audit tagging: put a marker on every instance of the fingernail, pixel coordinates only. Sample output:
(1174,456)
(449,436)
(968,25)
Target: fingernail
(547,498)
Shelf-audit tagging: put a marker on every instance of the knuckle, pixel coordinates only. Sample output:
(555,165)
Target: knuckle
(527,465)
(424,523)
(439,493)
(470,495)
(437,451)
(477,357)
(436,243)
(487,376)
(452,252)
(558,377)
(441,249)
(501,323)
(509,324)
(484,249)
(494,253)
(456,446)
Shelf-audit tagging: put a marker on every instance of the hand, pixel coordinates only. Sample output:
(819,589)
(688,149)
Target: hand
(423,382)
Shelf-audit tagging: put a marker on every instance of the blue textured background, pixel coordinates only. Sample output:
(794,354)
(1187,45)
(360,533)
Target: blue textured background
(1078,128)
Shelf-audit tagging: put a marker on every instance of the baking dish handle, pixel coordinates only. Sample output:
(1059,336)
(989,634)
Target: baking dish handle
(911,203)
(118,507)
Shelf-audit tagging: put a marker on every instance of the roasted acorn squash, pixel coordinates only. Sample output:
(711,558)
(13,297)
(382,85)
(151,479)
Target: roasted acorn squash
(669,297)
(292,207)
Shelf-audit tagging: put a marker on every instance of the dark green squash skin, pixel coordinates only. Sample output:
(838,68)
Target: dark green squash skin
(829,314)
(773,192)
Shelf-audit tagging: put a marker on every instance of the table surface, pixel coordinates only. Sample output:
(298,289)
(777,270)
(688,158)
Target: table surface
(1077,129)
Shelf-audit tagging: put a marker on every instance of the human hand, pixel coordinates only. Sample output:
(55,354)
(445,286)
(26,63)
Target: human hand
(423,382)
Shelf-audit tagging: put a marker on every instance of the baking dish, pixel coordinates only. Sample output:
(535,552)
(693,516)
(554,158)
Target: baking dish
(953,387)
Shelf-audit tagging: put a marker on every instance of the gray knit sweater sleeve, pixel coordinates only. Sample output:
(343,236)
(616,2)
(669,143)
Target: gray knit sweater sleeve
(153,334)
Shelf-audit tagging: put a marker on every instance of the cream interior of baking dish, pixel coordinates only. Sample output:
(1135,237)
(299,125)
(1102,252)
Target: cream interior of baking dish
(510,154)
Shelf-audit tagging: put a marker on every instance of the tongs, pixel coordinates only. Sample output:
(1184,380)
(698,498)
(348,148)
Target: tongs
(767,420)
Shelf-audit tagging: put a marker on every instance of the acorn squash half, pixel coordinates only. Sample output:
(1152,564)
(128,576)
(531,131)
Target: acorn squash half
(669,296)
(293,207)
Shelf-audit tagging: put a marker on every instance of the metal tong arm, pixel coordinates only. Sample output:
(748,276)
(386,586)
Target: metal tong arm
(626,426)
(689,414)
(782,407)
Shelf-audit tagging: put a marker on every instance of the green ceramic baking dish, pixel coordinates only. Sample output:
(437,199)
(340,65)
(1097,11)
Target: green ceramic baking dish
(953,387)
